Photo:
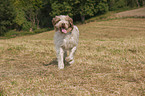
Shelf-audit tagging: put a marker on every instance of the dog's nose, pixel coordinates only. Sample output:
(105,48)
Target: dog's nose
(63,24)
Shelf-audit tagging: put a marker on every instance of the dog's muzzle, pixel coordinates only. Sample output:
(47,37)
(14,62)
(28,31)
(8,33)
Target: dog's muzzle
(63,28)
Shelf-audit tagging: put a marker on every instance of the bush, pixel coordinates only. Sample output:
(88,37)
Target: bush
(26,26)
(14,33)
(40,30)
(102,7)
(6,16)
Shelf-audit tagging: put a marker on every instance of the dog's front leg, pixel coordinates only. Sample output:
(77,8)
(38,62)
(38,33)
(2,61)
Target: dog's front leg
(60,58)
(70,58)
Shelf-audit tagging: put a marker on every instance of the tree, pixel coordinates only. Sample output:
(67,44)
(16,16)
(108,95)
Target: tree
(117,4)
(141,2)
(33,14)
(84,8)
(32,10)
(81,8)
(27,14)
(138,5)
(131,3)
(20,20)
(6,16)
(60,7)
(102,6)
(88,7)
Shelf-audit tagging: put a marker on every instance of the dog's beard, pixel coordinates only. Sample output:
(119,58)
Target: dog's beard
(63,30)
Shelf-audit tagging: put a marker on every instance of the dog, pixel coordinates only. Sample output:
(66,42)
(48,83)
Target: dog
(66,38)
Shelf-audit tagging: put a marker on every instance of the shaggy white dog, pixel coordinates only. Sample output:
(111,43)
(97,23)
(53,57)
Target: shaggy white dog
(65,39)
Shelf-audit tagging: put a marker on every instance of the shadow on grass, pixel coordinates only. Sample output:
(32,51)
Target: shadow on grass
(54,62)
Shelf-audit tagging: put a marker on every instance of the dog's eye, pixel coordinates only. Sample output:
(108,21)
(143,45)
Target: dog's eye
(57,21)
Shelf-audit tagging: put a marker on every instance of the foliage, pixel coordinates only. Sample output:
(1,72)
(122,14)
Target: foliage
(83,8)
(102,6)
(14,33)
(132,3)
(6,16)
(116,4)
(41,30)
(87,7)
(60,7)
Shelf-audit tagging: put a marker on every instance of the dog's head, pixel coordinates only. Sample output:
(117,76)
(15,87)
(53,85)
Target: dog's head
(63,23)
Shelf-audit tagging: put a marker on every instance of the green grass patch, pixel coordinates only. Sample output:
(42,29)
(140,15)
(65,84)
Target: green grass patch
(1,92)
(100,17)
(13,33)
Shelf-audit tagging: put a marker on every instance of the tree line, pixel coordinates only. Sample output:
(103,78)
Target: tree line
(29,15)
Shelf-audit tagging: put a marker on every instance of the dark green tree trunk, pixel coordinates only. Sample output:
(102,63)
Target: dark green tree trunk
(83,18)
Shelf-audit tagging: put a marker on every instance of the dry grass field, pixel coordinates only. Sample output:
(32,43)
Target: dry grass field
(140,12)
(110,61)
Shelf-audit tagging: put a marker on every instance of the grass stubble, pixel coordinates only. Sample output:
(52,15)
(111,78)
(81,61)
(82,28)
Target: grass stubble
(110,60)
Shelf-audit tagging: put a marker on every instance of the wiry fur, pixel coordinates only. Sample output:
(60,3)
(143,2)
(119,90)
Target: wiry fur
(65,42)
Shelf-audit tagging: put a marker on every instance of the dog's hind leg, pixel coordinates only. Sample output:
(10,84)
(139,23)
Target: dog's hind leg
(65,55)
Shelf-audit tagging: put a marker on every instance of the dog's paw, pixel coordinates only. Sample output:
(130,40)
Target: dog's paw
(60,66)
(69,60)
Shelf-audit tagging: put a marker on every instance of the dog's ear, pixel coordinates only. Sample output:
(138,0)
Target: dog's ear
(55,20)
(70,21)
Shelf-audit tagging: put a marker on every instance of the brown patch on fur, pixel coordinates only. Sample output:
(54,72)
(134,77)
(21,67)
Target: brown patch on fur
(70,21)
(55,20)
(69,29)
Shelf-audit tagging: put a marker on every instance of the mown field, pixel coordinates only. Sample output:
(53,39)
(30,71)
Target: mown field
(139,12)
(110,61)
